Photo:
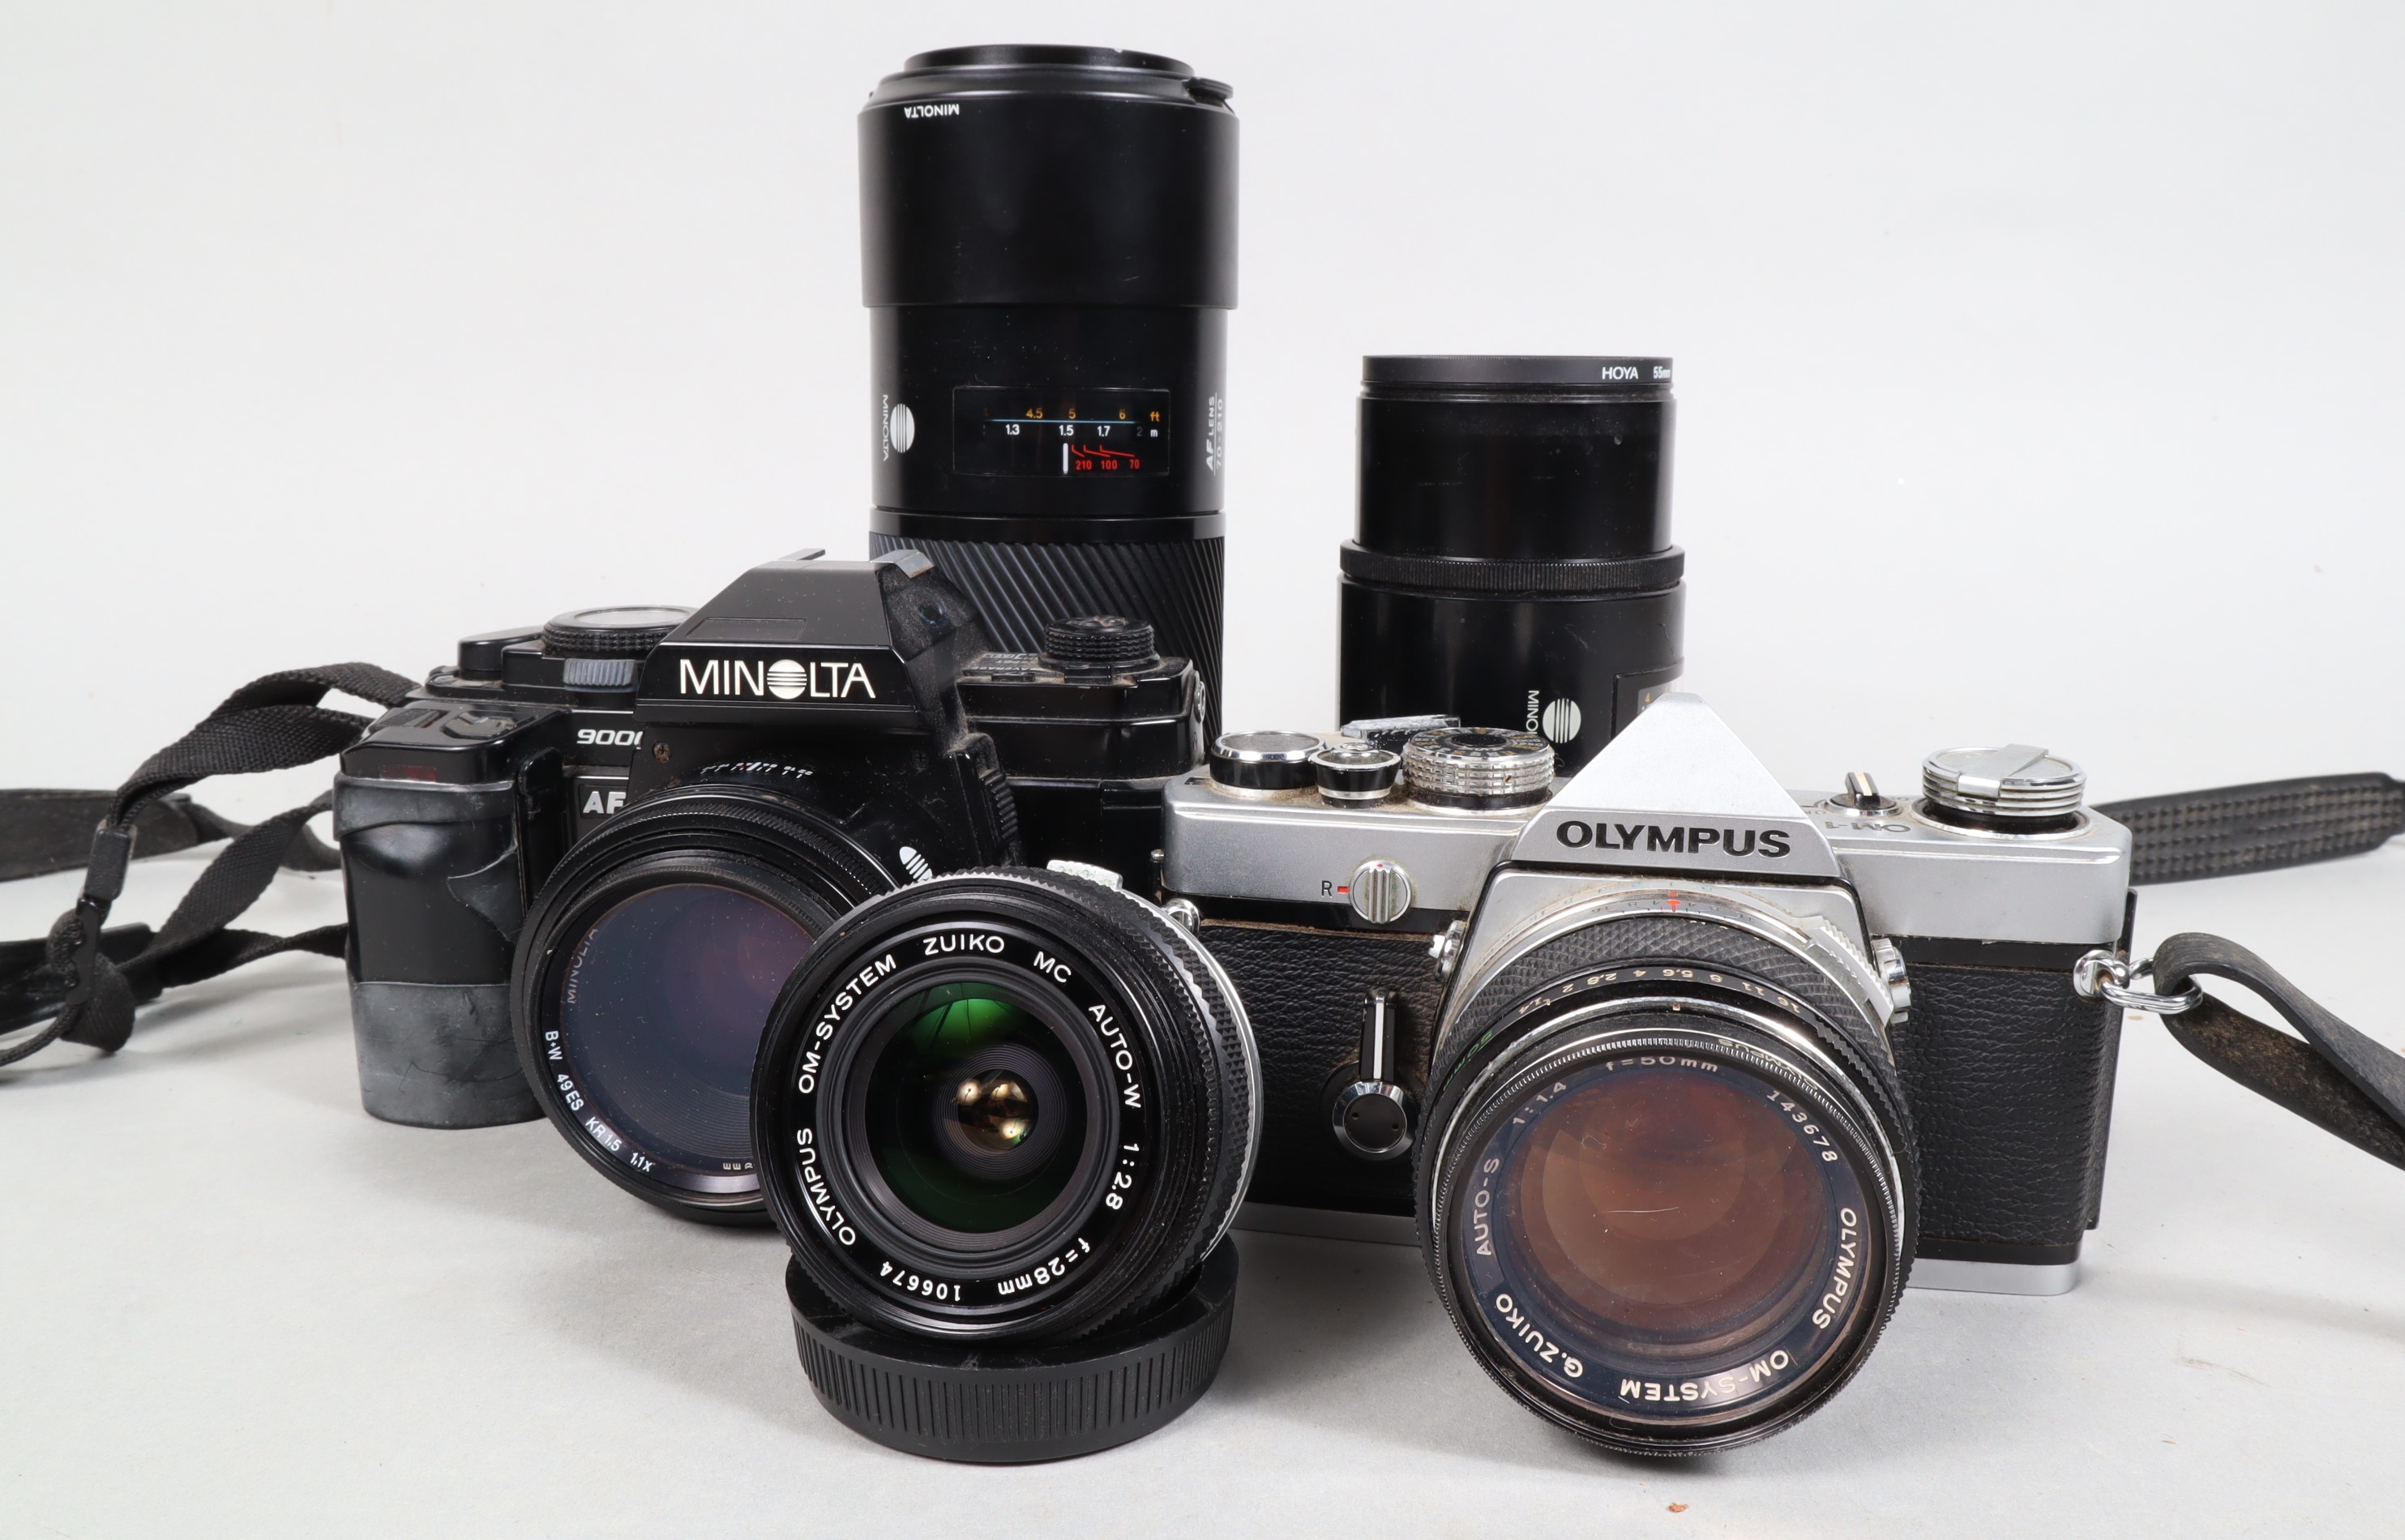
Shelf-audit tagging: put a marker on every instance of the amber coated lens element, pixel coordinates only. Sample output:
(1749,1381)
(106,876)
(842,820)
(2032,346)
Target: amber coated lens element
(996,1111)
(973,1110)
(1667,1201)
(1667,1247)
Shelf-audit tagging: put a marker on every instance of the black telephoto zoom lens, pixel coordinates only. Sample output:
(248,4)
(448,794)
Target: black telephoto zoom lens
(1514,565)
(1048,255)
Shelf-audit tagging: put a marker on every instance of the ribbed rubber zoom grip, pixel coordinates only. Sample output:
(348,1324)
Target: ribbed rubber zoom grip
(2228,830)
(1177,586)
(996,1404)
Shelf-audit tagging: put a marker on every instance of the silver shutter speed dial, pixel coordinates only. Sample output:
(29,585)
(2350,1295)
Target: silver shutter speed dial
(1478,769)
(1381,890)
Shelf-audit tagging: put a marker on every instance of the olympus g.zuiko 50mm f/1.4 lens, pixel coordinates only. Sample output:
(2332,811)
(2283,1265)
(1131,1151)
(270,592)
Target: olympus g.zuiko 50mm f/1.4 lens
(1514,564)
(1668,1191)
(1049,252)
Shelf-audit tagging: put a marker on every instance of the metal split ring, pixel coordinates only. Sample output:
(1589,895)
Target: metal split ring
(2106,976)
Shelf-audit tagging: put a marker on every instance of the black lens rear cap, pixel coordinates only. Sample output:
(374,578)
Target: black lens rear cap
(1014,1404)
(626,631)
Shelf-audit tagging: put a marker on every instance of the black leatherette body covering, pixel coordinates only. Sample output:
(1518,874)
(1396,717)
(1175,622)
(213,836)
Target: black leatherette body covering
(1305,989)
(2010,1078)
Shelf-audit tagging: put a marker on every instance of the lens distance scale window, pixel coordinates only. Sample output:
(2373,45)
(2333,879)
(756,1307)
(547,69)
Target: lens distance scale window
(1001,430)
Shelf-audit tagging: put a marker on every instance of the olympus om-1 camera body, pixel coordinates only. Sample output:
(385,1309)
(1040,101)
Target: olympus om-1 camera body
(1819,1036)
(642,818)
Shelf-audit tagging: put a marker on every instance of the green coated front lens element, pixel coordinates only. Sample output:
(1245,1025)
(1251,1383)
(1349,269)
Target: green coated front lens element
(976,1112)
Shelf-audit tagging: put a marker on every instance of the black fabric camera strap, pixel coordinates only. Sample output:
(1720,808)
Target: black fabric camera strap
(2228,830)
(82,982)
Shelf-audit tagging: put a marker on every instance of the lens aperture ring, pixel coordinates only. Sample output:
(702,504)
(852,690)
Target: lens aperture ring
(1633,941)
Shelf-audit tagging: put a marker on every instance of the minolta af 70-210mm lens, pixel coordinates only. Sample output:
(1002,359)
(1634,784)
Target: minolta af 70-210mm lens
(1048,255)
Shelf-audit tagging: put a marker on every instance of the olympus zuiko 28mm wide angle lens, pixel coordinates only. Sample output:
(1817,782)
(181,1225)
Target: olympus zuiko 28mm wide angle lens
(1514,565)
(1049,252)
(1006,1119)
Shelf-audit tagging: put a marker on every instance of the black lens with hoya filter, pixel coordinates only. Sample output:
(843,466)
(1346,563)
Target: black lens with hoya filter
(1667,1203)
(1513,563)
(1048,255)
(646,971)
(1007,1118)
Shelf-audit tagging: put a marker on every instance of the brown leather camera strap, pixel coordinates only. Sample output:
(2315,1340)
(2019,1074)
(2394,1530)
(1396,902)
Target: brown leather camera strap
(2330,1074)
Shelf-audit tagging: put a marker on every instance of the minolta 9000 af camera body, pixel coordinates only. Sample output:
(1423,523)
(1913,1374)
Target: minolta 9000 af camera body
(593,851)
(1678,1072)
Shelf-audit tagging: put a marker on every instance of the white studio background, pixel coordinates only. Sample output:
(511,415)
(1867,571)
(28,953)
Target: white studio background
(2037,370)
(2037,367)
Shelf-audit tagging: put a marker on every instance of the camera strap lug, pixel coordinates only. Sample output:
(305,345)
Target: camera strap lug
(2103,974)
(2330,1074)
